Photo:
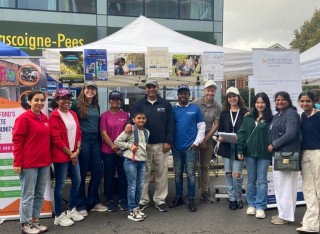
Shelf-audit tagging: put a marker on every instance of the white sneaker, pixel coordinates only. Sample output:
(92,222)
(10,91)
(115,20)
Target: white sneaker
(99,207)
(40,227)
(74,215)
(63,220)
(29,228)
(135,216)
(260,214)
(143,215)
(251,210)
(84,213)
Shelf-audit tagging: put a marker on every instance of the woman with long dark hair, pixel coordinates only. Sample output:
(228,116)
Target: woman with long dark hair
(253,144)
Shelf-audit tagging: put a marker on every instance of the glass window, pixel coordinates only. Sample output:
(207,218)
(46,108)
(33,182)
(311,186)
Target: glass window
(162,8)
(196,9)
(48,5)
(81,6)
(8,3)
(125,7)
(218,10)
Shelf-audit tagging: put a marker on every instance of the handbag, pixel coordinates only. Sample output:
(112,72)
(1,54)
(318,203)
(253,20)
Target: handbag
(287,161)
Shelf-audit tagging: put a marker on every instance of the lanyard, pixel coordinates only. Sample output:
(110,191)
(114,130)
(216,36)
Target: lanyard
(233,121)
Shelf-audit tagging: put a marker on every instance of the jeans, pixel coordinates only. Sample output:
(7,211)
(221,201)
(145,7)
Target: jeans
(135,176)
(234,185)
(90,159)
(111,164)
(185,161)
(33,184)
(61,170)
(257,185)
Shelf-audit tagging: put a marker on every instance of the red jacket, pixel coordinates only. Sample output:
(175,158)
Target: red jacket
(31,141)
(59,136)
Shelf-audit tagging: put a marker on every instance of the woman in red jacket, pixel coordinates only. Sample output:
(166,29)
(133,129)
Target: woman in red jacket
(66,144)
(31,141)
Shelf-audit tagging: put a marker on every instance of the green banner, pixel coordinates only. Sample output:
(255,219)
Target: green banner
(7,172)
(6,162)
(9,183)
(9,194)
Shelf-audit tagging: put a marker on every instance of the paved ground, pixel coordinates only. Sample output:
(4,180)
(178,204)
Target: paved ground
(210,218)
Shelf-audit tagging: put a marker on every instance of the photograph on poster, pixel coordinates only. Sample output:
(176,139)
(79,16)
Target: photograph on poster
(186,65)
(171,95)
(132,64)
(28,75)
(71,67)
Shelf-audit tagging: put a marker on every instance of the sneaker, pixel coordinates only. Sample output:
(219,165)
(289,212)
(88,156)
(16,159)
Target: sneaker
(251,210)
(176,202)
(260,214)
(29,228)
(135,216)
(162,207)
(232,205)
(205,196)
(239,204)
(63,220)
(143,206)
(84,213)
(123,204)
(40,227)
(274,217)
(279,221)
(99,207)
(74,215)
(305,230)
(112,207)
(141,213)
(192,205)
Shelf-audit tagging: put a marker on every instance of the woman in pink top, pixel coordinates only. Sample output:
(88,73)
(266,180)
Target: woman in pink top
(112,123)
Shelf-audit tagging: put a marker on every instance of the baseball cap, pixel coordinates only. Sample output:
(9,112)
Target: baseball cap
(151,82)
(183,87)
(63,92)
(90,83)
(210,83)
(115,94)
(232,90)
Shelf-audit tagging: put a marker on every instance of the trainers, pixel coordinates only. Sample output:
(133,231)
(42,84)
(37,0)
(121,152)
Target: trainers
(232,205)
(162,207)
(260,214)
(239,204)
(205,196)
(176,202)
(251,210)
(84,213)
(141,213)
(112,207)
(29,228)
(305,230)
(74,215)
(123,204)
(143,206)
(99,207)
(279,221)
(63,220)
(274,217)
(40,227)
(192,205)
(135,216)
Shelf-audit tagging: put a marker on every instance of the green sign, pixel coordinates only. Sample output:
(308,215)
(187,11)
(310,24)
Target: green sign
(6,162)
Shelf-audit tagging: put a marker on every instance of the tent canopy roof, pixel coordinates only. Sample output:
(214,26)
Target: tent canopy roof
(6,50)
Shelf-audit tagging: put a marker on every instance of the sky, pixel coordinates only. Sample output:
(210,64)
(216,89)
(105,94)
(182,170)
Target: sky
(262,23)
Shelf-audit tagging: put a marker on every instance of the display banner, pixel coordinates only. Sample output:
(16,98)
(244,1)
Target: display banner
(95,64)
(158,62)
(71,67)
(212,65)
(18,77)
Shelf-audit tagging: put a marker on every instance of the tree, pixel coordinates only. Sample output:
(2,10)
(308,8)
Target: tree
(309,33)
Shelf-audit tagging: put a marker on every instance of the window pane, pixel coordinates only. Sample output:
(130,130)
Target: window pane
(125,7)
(196,9)
(49,5)
(218,10)
(8,3)
(81,6)
(162,8)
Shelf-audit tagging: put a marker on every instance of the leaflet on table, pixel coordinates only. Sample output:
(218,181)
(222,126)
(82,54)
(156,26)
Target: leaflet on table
(228,137)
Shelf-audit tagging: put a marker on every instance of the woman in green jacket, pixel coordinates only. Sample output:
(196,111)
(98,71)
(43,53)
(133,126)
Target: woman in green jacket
(253,145)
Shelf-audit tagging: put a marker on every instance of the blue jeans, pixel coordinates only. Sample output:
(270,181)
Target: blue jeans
(135,177)
(33,184)
(234,185)
(90,159)
(257,185)
(61,170)
(111,164)
(185,161)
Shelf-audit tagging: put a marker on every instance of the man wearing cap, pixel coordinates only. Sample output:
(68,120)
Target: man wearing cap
(160,125)
(189,133)
(211,112)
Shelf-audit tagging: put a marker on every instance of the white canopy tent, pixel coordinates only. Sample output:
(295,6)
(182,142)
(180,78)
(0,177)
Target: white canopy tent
(142,33)
(310,66)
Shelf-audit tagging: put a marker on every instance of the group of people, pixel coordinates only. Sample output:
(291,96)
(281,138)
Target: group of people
(76,139)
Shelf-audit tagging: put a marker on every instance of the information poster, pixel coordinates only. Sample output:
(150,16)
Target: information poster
(18,78)
(186,65)
(158,62)
(71,67)
(95,65)
(212,66)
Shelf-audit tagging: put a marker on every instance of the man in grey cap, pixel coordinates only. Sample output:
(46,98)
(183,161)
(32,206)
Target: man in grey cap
(160,125)
(211,112)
